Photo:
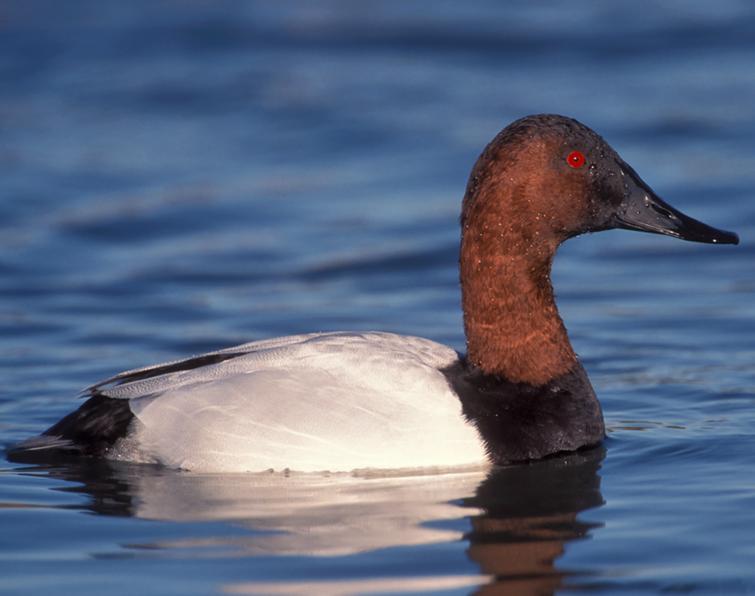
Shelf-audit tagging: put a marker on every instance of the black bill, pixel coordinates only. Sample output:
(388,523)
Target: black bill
(643,210)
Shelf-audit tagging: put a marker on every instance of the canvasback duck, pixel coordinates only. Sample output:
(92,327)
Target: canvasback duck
(343,401)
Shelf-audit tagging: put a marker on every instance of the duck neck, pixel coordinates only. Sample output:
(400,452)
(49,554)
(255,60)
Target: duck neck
(511,321)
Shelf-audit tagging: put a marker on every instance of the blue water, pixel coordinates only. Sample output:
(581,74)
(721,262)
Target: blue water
(177,177)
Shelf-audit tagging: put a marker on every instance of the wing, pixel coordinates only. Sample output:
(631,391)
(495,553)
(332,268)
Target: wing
(150,380)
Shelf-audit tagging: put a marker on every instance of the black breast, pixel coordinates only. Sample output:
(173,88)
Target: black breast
(520,422)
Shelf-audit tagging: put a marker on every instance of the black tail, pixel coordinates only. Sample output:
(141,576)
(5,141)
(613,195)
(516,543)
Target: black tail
(89,431)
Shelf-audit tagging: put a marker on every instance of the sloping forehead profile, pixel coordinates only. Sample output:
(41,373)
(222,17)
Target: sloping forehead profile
(588,141)
(556,136)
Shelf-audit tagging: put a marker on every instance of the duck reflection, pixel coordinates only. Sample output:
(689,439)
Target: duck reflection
(521,517)
(530,513)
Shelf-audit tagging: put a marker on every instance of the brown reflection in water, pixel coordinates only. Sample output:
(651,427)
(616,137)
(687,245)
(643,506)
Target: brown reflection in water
(530,513)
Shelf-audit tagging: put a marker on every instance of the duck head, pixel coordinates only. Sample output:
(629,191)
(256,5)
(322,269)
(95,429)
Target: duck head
(541,180)
(561,179)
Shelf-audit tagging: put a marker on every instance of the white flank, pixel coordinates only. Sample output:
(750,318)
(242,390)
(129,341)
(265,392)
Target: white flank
(331,401)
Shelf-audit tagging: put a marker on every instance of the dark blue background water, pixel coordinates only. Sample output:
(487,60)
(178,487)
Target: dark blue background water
(182,176)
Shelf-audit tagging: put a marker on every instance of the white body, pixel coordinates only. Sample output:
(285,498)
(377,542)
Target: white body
(329,401)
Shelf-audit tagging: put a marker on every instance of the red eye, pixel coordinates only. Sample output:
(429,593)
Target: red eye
(575,159)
